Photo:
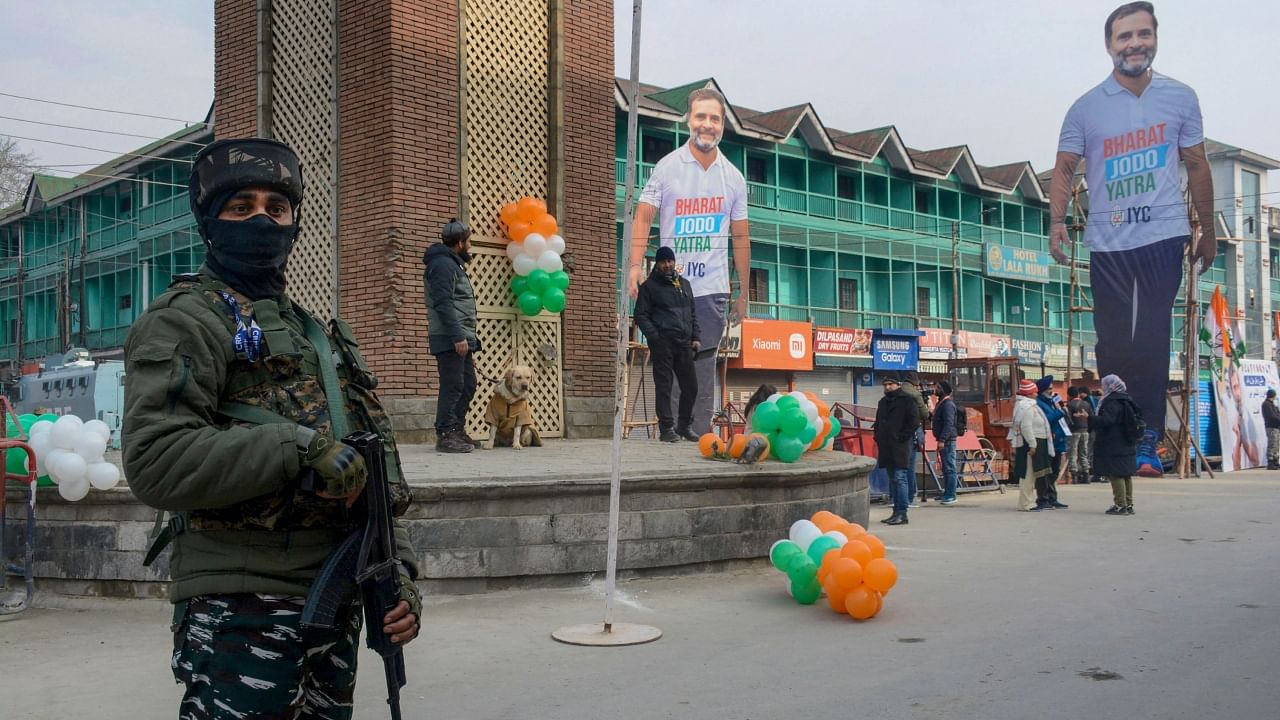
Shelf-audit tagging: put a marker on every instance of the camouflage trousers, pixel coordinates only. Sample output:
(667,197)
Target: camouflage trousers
(247,656)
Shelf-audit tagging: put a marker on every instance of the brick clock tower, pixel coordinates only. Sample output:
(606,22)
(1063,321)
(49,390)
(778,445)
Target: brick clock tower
(409,112)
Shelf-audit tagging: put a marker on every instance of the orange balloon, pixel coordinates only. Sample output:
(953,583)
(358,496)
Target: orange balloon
(835,595)
(820,515)
(875,543)
(710,445)
(853,530)
(880,574)
(828,523)
(737,444)
(823,409)
(507,214)
(847,573)
(764,455)
(813,398)
(821,437)
(856,550)
(518,230)
(529,209)
(860,603)
(879,604)
(545,225)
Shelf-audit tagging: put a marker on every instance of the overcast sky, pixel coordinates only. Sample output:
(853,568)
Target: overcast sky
(997,76)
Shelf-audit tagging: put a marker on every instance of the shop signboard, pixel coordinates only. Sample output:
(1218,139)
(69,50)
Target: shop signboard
(1028,352)
(983,345)
(842,342)
(1017,263)
(1088,358)
(893,349)
(775,345)
(935,344)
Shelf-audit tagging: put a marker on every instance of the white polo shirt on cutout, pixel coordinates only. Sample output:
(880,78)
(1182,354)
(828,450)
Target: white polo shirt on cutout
(695,210)
(1130,145)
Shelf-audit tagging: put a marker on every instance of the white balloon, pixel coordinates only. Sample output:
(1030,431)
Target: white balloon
(803,533)
(103,475)
(550,262)
(809,409)
(51,461)
(71,467)
(773,398)
(89,446)
(798,394)
(523,265)
(555,244)
(41,445)
(65,431)
(103,430)
(514,249)
(73,490)
(837,536)
(534,245)
(41,427)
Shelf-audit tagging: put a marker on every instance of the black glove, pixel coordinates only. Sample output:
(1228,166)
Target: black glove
(339,469)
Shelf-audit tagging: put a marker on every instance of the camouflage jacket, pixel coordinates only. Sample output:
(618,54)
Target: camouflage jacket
(199,346)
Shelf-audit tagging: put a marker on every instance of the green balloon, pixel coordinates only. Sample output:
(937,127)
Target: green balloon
(529,303)
(793,422)
(786,402)
(788,449)
(519,285)
(539,280)
(50,417)
(835,430)
(808,433)
(819,547)
(560,279)
(44,481)
(782,554)
(553,299)
(801,568)
(765,418)
(806,592)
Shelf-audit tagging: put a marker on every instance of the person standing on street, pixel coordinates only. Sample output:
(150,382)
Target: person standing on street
(1271,420)
(700,199)
(911,388)
(451,333)
(1132,130)
(1118,425)
(1080,410)
(229,428)
(1047,489)
(897,420)
(944,434)
(1033,452)
(665,314)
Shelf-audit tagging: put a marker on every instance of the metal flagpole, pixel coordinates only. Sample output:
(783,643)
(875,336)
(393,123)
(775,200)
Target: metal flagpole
(609,632)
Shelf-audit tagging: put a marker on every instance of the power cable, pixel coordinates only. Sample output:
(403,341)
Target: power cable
(105,110)
(117,153)
(96,130)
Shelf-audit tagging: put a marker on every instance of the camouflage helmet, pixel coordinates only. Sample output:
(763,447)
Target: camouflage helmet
(225,166)
(455,231)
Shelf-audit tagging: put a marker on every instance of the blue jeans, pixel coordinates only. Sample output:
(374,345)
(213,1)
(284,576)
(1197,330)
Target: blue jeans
(948,454)
(898,491)
(912,488)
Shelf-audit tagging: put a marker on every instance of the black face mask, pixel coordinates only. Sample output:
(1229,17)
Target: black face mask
(250,255)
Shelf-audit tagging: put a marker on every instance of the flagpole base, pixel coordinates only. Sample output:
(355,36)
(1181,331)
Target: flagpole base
(594,635)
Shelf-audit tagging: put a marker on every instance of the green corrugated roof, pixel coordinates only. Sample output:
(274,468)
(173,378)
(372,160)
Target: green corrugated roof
(51,186)
(677,98)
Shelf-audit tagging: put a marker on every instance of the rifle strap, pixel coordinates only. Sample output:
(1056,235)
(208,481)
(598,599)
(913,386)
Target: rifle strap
(329,360)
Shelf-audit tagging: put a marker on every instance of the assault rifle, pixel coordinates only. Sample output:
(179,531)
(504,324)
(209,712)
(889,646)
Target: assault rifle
(367,560)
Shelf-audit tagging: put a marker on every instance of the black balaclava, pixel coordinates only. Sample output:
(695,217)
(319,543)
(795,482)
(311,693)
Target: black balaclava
(249,255)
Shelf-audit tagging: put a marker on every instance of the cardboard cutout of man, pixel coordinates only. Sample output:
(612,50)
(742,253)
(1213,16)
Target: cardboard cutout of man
(1131,130)
(701,201)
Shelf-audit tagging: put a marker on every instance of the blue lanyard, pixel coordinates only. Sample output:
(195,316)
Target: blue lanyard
(248,339)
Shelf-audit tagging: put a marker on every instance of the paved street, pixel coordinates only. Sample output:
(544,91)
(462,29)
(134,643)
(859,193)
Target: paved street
(1173,613)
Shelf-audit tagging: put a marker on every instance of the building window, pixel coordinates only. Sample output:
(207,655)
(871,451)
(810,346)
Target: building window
(847,187)
(922,302)
(655,147)
(759,285)
(989,308)
(126,302)
(848,294)
(924,200)
(990,212)
(757,169)
(126,204)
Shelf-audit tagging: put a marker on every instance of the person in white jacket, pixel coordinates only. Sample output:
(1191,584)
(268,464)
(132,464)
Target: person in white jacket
(1029,437)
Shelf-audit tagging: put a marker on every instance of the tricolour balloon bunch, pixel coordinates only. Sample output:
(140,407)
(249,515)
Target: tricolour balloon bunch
(794,423)
(535,249)
(739,448)
(828,553)
(69,453)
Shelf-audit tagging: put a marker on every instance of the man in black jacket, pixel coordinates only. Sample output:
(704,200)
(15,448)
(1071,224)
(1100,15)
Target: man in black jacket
(451,333)
(944,433)
(897,419)
(664,313)
(1271,420)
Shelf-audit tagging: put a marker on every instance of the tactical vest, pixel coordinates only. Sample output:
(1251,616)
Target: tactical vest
(276,377)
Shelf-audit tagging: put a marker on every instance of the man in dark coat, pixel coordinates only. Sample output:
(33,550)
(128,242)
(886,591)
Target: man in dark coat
(664,313)
(1115,450)
(451,333)
(897,419)
(944,433)
(1271,419)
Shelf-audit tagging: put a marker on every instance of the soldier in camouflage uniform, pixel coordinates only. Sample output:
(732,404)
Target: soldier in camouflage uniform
(225,410)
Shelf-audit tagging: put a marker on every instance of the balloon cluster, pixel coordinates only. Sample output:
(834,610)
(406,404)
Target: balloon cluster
(711,446)
(535,249)
(829,554)
(794,423)
(69,454)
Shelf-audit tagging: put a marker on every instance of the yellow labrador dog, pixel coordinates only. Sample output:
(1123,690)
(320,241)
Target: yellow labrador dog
(510,421)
